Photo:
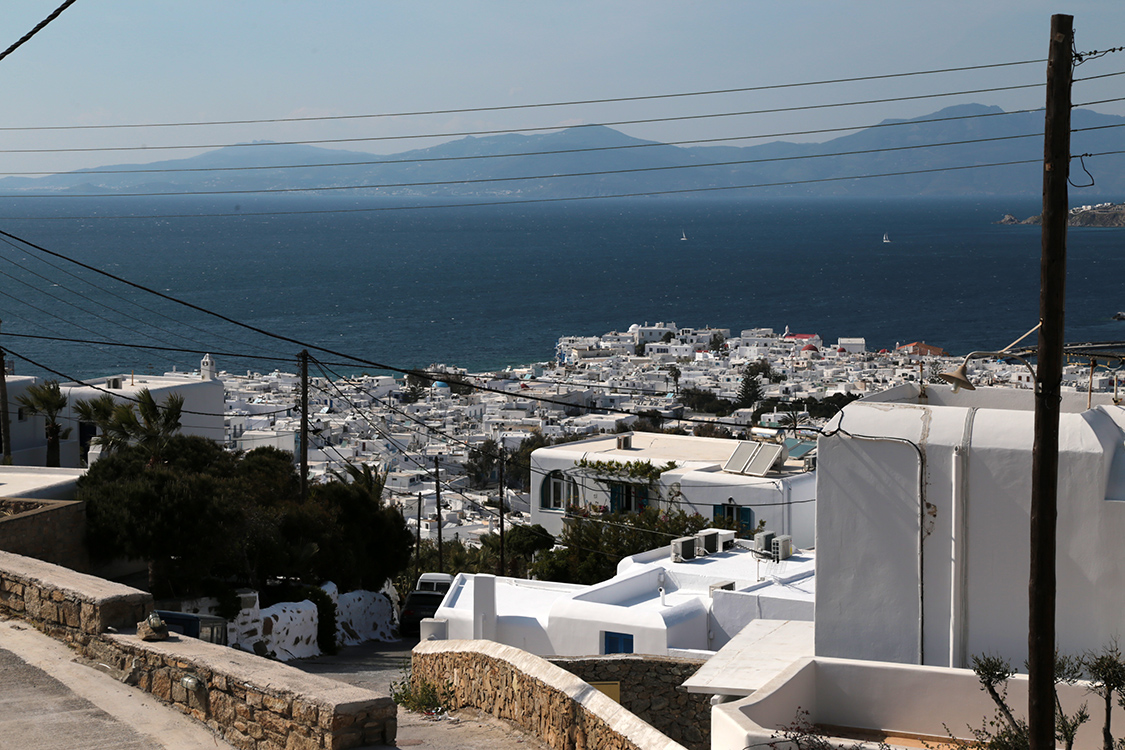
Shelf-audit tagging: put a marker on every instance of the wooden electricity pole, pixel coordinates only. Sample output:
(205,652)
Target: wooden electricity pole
(304,357)
(418,541)
(1048,390)
(503,570)
(5,416)
(437,500)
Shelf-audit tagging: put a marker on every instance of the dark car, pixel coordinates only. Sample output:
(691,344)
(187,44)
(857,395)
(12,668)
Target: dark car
(418,605)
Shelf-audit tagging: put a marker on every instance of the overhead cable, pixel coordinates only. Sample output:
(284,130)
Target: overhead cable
(509,107)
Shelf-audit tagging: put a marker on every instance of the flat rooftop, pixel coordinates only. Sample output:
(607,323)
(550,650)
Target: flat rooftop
(757,654)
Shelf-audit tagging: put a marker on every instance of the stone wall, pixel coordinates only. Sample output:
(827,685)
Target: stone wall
(55,532)
(651,689)
(254,703)
(546,700)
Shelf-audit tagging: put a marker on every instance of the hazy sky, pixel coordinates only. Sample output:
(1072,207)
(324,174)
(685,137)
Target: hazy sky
(151,61)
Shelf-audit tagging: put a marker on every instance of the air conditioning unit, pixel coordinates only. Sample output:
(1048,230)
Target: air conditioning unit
(782,547)
(683,549)
(721,586)
(726,538)
(763,541)
(708,541)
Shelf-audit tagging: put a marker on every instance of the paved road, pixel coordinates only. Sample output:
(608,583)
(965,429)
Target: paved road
(51,701)
(375,665)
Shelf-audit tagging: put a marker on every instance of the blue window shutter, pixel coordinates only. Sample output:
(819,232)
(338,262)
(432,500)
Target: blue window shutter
(746,519)
(718,514)
(615,496)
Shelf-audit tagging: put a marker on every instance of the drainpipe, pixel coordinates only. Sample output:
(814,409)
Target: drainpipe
(959,528)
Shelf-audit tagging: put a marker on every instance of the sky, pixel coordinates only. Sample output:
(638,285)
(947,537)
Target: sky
(105,62)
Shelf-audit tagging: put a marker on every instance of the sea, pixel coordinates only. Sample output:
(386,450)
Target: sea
(485,286)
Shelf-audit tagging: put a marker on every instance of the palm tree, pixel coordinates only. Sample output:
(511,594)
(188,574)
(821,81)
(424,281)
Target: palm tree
(364,477)
(46,399)
(100,412)
(157,425)
(119,424)
(792,419)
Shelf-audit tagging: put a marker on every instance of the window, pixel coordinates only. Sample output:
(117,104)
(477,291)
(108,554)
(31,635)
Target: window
(744,517)
(618,643)
(558,491)
(627,498)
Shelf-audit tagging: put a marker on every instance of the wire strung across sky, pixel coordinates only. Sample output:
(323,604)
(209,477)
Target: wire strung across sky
(541,105)
(508,131)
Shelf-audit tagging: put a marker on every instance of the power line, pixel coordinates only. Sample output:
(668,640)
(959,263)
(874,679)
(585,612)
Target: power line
(117,394)
(519,154)
(38,27)
(528,201)
(504,131)
(509,107)
(540,177)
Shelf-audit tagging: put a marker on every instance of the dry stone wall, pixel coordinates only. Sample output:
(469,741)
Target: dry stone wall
(254,703)
(54,532)
(551,703)
(651,689)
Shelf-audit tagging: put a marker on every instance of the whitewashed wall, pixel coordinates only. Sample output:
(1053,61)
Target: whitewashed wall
(973,591)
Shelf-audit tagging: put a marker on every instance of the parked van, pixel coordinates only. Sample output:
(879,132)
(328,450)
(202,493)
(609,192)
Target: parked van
(434,582)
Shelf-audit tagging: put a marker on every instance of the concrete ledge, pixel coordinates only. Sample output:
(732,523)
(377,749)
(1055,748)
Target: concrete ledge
(546,700)
(64,602)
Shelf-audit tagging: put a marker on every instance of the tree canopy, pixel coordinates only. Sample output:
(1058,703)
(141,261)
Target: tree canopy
(207,518)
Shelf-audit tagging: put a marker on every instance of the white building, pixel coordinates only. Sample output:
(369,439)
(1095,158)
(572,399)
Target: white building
(656,604)
(202,411)
(923,526)
(630,471)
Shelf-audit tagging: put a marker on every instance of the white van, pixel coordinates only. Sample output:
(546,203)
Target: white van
(434,582)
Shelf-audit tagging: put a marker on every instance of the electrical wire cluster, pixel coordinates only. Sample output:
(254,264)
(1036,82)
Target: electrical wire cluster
(41,291)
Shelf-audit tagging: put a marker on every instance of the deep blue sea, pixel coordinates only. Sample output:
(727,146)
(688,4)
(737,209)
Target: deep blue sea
(488,286)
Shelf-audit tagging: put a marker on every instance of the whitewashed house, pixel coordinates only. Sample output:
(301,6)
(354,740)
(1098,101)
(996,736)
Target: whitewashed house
(656,604)
(743,481)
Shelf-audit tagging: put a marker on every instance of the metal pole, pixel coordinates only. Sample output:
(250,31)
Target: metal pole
(1048,391)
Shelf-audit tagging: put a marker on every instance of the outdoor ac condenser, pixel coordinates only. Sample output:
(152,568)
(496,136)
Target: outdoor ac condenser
(782,547)
(683,549)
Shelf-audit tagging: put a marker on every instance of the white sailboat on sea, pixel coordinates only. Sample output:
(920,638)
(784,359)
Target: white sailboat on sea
(886,238)
(683,235)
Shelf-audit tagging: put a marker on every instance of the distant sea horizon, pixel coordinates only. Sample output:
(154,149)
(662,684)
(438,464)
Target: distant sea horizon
(488,286)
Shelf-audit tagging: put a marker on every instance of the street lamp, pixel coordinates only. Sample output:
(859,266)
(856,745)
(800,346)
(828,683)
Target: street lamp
(959,377)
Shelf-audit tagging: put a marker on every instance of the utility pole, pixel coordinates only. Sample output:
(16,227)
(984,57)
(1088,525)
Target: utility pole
(1048,390)
(304,358)
(418,541)
(503,569)
(437,492)
(5,416)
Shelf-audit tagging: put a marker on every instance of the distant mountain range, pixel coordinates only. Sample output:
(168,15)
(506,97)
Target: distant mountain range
(607,162)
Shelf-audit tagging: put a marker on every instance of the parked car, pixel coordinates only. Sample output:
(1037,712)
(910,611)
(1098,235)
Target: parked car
(418,606)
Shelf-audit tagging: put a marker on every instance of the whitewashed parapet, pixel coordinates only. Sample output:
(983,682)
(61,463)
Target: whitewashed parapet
(364,616)
(547,701)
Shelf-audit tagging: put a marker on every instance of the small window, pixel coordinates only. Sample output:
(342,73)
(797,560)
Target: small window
(558,491)
(618,643)
(627,498)
(741,515)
